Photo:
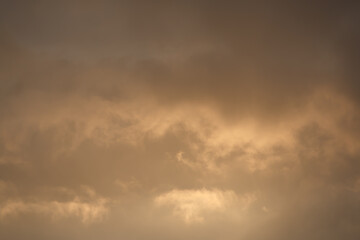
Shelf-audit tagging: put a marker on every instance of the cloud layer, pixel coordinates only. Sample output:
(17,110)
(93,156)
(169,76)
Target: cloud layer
(179,120)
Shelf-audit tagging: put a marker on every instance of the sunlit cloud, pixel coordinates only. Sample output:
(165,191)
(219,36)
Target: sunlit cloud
(87,212)
(193,205)
(87,207)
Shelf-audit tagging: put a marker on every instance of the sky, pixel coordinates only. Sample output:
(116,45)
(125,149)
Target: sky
(179,120)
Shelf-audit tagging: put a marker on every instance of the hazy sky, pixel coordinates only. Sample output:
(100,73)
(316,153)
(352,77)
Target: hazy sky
(161,120)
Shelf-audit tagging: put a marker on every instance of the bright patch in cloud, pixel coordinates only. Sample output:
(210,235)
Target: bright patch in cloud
(193,205)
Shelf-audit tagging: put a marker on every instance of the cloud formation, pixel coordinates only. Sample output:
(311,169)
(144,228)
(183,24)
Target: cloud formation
(192,204)
(179,120)
(86,212)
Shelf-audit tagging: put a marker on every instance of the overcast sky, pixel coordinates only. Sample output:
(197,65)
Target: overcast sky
(159,120)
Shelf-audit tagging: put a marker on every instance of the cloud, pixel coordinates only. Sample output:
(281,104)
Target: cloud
(216,100)
(84,205)
(193,205)
(87,212)
(128,186)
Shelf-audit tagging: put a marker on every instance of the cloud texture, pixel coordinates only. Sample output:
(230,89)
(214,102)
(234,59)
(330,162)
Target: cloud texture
(179,120)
